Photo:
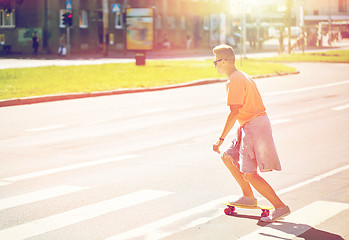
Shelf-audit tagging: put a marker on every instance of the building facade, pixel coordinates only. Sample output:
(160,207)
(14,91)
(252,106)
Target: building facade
(333,12)
(204,21)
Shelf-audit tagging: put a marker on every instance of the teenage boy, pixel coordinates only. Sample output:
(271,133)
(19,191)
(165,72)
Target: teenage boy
(255,146)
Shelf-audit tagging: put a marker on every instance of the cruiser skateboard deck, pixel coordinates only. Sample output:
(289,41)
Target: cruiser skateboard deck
(231,209)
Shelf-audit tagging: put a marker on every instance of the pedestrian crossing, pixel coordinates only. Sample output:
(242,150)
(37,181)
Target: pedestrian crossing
(38,196)
(299,222)
(77,215)
(293,225)
(66,168)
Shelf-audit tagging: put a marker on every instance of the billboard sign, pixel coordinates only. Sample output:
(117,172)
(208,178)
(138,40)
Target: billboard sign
(139,29)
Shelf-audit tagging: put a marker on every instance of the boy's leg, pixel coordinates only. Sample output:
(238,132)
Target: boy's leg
(239,177)
(264,189)
(281,210)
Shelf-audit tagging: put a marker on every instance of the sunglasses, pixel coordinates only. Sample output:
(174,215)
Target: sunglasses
(215,62)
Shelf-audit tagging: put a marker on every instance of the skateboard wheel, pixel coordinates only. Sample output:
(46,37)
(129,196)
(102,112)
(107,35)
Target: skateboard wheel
(227,211)
(265,213)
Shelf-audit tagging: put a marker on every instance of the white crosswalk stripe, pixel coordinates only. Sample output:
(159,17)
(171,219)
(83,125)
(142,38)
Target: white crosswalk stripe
(192,217)
(64,219)
(298,222)
(38,196)
(66,168)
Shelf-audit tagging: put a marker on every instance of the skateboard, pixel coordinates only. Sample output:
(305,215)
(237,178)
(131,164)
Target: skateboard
(231,209)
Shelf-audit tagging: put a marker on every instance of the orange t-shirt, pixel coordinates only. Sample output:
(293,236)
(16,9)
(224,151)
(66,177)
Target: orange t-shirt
(242,90)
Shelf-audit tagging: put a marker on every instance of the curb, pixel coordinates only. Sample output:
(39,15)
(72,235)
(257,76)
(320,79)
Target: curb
(71,96)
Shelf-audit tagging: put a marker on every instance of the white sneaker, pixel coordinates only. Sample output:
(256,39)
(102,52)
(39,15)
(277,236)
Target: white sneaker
(277,214)
(245,201)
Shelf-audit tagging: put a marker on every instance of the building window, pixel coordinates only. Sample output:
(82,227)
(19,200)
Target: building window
(7,18)
(171,23)
(182,22)
(158,22)
(118,20)
(206,24)
(342,5)
(83,19)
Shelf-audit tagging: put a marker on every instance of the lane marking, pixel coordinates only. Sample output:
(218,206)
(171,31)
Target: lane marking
(298,222)
(157,230)
(2,183)
(339,108)
(278,121)
(77,215)
(314,179)
(45,128)
(9,180)
(154,110)
(67,168)
(38,196)
(307,88)
(191,218)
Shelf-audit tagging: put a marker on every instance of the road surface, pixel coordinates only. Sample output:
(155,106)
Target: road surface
(141,166)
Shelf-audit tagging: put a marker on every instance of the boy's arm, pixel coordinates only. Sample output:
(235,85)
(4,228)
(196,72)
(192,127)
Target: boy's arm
(229,123)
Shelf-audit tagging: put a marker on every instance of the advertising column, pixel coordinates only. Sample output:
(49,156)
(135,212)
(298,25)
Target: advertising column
(139,32)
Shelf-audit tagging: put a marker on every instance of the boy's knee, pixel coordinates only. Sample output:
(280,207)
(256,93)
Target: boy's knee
(249,176)
(224,156)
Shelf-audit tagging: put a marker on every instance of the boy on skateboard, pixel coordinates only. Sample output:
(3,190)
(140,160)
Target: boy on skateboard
(255,145)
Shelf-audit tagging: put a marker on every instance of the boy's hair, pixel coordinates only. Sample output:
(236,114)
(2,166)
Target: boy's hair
(224,51)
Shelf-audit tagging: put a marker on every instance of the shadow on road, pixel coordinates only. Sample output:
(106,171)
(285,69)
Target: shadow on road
(301,231)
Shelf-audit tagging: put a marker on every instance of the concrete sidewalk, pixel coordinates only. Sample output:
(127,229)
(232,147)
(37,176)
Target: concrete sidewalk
(269,46)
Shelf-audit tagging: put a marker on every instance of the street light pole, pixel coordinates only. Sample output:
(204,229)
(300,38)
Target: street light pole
(329,18)
(243,30)
(288,20)
(105,27)
(243,24)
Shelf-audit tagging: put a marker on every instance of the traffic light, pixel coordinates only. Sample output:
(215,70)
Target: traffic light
(67,19)
(70,19)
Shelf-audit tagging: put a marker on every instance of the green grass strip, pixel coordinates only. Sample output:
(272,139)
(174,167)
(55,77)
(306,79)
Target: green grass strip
(335,56)
(26,82)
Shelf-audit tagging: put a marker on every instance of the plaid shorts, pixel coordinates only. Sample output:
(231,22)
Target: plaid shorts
(254,147)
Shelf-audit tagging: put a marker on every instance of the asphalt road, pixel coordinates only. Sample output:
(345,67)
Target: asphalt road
(141,166)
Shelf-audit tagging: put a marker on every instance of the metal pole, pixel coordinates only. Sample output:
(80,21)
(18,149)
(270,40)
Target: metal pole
(329,18)
(244,29)
(289,15)
(68,40)
(105,27)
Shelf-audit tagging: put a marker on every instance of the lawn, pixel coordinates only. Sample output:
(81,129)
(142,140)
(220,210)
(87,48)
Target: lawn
(338,56)
(26,82)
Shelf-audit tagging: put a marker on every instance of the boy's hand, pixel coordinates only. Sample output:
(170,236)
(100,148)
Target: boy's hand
(217,145)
